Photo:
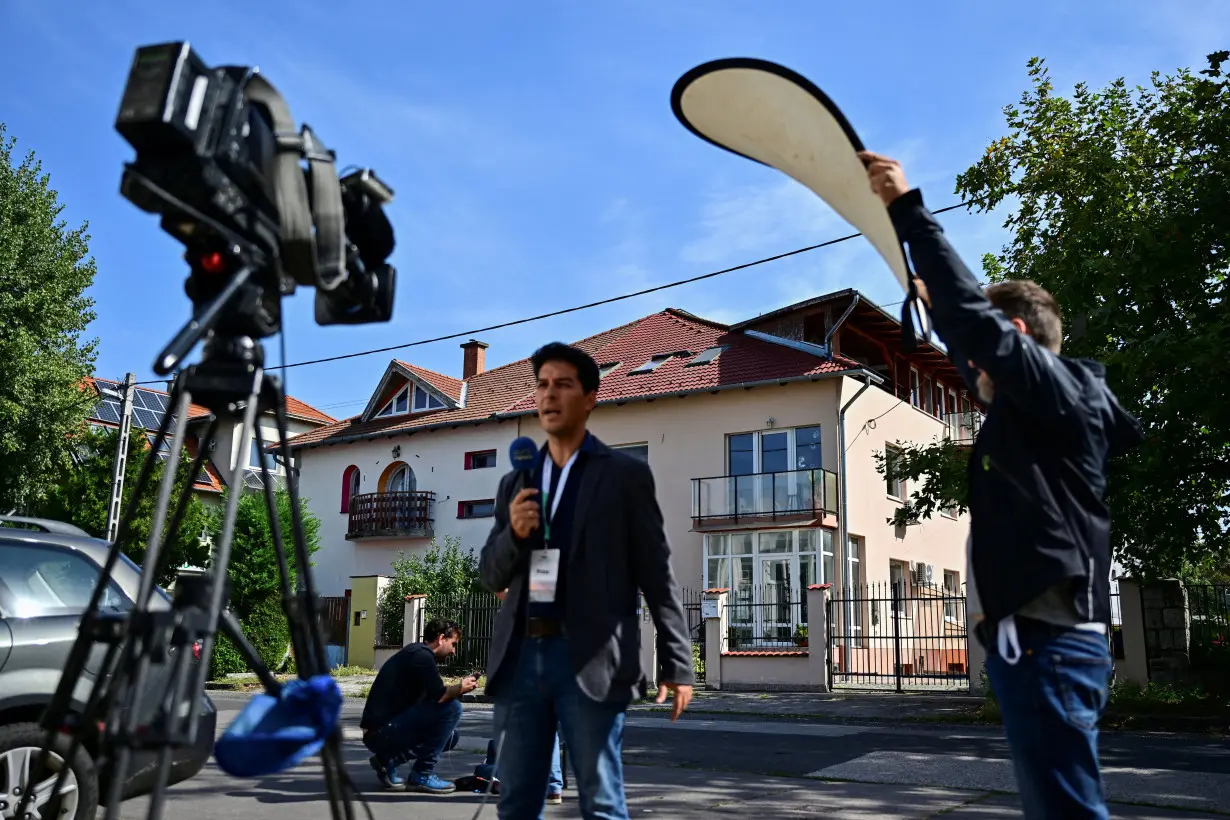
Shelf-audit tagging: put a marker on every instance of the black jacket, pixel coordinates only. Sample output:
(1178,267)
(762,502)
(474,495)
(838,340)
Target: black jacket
(1037,474)
(618,545)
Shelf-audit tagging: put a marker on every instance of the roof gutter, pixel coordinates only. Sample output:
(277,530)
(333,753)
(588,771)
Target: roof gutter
(868,375)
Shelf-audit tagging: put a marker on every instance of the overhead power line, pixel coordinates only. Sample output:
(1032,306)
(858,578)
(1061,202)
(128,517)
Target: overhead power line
(586,306)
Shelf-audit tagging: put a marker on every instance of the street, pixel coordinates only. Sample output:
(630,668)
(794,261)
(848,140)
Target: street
(742,765)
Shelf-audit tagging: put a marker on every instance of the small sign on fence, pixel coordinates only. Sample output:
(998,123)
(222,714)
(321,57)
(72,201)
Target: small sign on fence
(709,609)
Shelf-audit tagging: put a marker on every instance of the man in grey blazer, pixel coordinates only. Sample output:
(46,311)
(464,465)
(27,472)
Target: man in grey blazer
(565,648)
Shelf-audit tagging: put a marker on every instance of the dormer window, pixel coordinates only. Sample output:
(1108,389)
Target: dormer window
(607,369)
(653,364)
(706,356)
(400,404)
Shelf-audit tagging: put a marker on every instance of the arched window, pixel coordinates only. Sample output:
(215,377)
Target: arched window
(401,480)
(350,486)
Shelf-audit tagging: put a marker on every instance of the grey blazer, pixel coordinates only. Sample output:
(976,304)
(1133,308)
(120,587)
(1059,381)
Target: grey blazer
(618,545)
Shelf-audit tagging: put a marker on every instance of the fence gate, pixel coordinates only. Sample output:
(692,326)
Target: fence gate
(908,636)
(696,629)
(335,618)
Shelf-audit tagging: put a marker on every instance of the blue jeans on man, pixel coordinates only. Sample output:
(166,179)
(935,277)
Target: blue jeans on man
(541,694)
(1051,701)
(421,733)
(489,769)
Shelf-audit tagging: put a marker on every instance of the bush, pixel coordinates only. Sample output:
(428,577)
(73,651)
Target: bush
(698,661)
(442,572)
(226,659)
(267,629)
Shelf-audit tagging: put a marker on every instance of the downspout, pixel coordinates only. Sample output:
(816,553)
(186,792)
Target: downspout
(828,337)
(843,526)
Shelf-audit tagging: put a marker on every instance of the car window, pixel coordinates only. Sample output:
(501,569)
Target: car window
(41,581)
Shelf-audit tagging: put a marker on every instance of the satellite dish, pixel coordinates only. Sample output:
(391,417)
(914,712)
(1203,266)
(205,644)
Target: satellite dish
(772,115)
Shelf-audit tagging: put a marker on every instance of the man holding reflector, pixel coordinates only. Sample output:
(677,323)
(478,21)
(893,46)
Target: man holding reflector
(1039,527)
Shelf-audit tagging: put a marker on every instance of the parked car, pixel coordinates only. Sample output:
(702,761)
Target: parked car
(48,571)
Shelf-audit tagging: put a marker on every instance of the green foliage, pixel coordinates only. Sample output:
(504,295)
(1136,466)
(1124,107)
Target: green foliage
(225,660)
(1123,213)
(935,473)
(81,493)
(351,671)
(698,661)
(253,571)
(441,573)
(266,627)
(256,590)
(44,273)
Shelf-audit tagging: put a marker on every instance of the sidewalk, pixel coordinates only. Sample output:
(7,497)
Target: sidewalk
(866,707)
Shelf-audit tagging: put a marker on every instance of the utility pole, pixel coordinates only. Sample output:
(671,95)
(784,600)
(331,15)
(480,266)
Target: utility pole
(121,457)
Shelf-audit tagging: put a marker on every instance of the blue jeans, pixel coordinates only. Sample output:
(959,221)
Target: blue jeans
(541,693)
(422,732)
(1051,700)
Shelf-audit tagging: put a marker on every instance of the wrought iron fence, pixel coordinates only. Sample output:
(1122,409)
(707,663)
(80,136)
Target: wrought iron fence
(692,599)
(767,617)
(475,613)
(1116,625)
(1208,607)
(897,637)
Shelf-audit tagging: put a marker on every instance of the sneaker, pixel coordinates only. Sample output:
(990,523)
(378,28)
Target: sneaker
(554,799)
(430,783)
(387,774)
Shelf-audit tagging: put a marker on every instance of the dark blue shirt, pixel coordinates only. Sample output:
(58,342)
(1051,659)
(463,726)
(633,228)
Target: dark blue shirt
(407,679)
(561,524)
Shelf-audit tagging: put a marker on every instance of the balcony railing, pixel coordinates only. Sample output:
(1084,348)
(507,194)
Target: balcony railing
(963,426)
(764,497)
(384,515)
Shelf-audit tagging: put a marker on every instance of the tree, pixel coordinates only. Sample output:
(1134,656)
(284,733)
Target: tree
(935,473)
(44,273)
(253,569)
(443,574)
(255,585)
(82,491)
(1122,211)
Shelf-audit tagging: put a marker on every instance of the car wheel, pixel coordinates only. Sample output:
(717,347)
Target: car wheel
(21,744)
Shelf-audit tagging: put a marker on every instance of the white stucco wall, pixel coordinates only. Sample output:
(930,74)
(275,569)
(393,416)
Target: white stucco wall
(686,439)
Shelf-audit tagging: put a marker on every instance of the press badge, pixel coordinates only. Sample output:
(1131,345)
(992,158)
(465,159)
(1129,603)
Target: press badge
(544,574)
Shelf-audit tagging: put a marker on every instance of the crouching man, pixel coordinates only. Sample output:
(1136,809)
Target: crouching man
(410,713)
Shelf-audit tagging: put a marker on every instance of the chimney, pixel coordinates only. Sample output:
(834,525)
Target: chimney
(475,358)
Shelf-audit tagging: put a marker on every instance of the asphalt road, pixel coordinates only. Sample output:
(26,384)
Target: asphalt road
(708,764)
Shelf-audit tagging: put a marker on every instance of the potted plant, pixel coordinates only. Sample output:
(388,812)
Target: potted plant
(800,635)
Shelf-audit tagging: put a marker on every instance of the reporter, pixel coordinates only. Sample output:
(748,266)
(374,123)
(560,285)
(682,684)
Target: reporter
(411,715)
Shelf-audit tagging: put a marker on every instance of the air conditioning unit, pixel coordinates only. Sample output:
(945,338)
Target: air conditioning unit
(924,574)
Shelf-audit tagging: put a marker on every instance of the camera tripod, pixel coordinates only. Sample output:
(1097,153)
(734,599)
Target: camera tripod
(149,649)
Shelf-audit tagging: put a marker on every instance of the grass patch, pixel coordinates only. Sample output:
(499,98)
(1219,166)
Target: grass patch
(351,671)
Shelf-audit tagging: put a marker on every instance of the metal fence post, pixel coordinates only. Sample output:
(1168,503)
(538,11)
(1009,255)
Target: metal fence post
(896,608)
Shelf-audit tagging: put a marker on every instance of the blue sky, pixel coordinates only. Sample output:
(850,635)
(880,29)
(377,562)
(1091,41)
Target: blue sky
(535,158)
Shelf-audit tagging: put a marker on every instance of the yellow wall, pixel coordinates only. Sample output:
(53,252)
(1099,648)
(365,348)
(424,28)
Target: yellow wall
(364,593)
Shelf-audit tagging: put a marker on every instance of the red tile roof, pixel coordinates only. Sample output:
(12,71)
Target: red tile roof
(303,410)
(445,384)
(510,389)
(212,480)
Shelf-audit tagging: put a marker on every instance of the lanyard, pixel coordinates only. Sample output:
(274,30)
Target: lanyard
(550,505)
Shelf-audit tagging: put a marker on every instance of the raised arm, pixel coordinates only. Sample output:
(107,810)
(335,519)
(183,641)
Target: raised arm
(1023,371)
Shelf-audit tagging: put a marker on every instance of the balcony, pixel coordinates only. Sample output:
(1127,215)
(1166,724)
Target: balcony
(764,499)
(392,515)
(963,427)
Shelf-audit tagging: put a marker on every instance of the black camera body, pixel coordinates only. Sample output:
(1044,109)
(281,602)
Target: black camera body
(220,160)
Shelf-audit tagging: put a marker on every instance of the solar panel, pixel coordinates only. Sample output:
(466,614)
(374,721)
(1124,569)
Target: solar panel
(151,401)
(146,418)
(108,411)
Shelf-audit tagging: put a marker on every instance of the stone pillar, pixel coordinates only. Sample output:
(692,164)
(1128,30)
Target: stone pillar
(1135,664)
(717,634)
(1167,630)
(818,635)
(412,628)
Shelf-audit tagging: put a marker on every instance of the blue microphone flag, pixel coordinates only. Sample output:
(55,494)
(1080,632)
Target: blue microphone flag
(523,454)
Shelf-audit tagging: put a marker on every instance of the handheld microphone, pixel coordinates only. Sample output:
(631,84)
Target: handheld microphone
(523,454)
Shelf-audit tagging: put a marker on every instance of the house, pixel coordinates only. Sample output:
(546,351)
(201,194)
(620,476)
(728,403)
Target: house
(149,406)
(761,437)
